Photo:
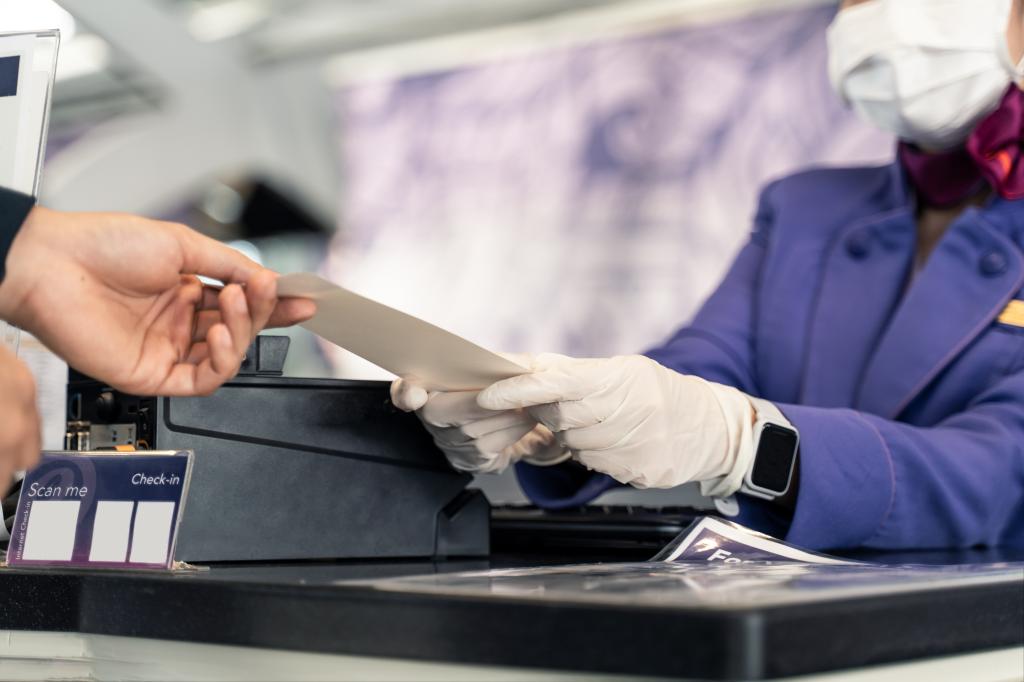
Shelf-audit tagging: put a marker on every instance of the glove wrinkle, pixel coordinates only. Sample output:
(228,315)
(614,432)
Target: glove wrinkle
(626,437)
(502,420)
(473,438)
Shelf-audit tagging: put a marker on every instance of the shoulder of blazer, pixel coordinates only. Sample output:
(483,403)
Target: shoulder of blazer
(818,202)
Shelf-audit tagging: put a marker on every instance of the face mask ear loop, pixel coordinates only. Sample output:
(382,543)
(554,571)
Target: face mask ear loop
(1016,70)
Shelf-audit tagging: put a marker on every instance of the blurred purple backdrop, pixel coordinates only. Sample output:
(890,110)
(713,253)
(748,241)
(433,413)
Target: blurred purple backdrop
(586,199)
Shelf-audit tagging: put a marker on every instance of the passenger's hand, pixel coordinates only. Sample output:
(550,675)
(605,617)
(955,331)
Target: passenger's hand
(19,419)
(631,418)
(474,439)
(117,296)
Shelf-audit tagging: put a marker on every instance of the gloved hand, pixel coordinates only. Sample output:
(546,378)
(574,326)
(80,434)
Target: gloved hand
(635,420)
(476,440)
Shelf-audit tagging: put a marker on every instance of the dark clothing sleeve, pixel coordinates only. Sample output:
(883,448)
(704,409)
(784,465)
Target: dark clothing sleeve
(14,207)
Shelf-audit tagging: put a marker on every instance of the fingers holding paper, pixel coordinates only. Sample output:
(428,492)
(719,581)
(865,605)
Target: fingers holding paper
(475,439)
(632,418)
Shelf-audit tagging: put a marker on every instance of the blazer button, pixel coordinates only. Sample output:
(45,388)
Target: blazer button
(993,263)
(858,245)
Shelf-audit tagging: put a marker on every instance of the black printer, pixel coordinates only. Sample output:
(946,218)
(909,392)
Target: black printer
(289,468)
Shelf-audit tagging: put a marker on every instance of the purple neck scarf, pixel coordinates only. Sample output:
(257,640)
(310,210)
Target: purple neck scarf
(991,156)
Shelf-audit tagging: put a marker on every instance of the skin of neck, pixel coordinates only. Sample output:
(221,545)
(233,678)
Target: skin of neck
(932,223)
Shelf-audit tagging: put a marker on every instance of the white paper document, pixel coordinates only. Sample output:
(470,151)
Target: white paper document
(398,342)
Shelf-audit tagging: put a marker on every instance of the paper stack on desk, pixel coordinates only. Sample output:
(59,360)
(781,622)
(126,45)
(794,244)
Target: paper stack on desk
(396,341)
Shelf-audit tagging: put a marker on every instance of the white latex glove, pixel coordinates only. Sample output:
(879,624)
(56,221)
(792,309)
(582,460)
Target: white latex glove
(474,439)
(635,420)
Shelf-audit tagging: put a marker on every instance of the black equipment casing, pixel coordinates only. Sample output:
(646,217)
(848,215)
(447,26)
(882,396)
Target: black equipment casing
(289,468)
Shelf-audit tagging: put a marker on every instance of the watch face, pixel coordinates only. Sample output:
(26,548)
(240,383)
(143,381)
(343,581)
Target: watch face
(774,462)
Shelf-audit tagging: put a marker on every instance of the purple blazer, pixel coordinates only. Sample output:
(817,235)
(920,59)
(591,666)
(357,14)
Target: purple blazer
(908,391)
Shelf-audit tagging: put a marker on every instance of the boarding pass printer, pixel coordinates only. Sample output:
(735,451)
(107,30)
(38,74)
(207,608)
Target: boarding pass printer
(289,468)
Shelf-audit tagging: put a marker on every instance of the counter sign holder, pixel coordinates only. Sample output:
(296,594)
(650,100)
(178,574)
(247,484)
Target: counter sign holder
(101,510)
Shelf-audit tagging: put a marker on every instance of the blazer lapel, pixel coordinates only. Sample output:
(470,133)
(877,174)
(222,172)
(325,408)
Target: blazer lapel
(973,272)
(864,274)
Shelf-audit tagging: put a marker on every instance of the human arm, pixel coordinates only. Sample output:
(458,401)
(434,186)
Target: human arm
(865,480)
(876,482)
(19,418)
(14,207)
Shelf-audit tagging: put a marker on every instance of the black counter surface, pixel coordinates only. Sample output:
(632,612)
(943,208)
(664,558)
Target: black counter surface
(300,606)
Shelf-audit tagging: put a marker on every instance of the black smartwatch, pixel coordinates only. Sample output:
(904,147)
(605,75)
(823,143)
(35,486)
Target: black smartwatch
(775,450)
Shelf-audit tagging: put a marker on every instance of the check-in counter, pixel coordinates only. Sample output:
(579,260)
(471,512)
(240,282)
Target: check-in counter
(369,620)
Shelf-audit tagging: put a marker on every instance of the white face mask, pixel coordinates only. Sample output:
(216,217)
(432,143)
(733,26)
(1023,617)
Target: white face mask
(925,70)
